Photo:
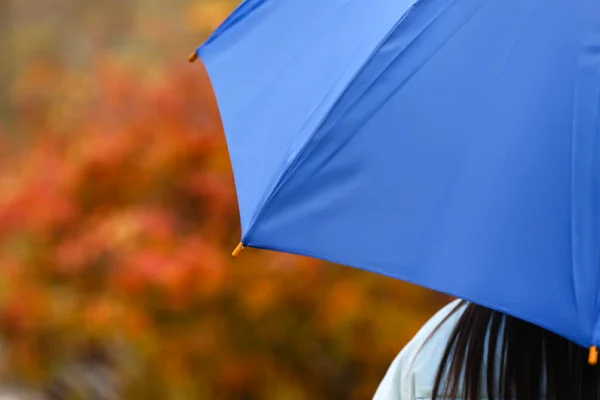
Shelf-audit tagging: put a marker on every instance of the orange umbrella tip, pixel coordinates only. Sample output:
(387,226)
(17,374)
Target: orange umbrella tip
(193,57)
(593,357)
(238,250)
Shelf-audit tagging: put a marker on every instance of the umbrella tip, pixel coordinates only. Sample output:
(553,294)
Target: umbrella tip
(593,357)
(238,250)
(193,57)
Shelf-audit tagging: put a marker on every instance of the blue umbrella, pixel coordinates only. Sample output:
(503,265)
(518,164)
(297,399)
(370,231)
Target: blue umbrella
(449,143)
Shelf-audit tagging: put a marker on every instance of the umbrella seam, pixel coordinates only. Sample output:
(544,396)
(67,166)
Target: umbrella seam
(595,162)
(291,165)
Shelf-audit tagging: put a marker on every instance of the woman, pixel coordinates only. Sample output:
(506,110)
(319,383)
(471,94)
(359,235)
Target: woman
(470,352)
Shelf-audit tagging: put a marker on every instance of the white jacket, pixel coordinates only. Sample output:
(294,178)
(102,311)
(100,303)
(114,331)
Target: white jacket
(412,374)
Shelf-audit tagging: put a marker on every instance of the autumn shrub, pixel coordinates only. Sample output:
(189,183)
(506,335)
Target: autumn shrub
(116,225)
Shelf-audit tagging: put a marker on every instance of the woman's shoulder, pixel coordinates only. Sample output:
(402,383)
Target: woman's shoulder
(412,373)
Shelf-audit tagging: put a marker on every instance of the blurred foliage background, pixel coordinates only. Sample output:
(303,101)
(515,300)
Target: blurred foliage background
(117,217)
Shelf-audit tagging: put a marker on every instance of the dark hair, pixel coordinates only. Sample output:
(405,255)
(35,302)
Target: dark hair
(513,359)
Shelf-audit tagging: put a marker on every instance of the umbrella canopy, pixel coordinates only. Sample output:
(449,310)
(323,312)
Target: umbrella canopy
(449,143)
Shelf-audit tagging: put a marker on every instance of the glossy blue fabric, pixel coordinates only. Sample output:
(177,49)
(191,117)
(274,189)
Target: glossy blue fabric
(448,143)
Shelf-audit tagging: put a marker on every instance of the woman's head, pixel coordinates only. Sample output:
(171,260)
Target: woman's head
(509,358)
